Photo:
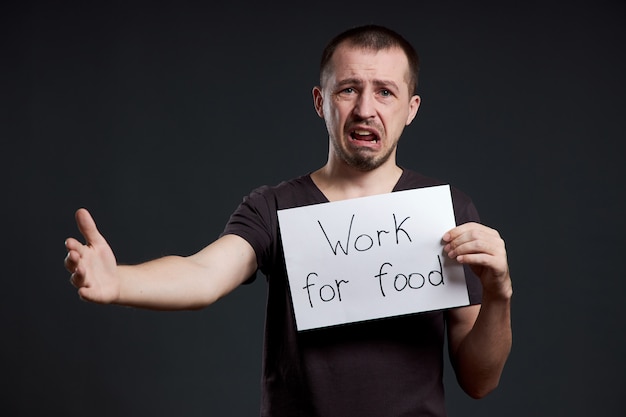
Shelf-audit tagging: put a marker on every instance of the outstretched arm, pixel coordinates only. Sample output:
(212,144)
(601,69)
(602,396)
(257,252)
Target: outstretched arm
(479,337)
(169,283)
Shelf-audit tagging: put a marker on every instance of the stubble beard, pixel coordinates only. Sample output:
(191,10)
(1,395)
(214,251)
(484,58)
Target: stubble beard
(363,160)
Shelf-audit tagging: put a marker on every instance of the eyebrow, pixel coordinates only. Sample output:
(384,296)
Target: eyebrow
(359,82)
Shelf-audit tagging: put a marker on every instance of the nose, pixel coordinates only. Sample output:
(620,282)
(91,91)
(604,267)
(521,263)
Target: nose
(364,107)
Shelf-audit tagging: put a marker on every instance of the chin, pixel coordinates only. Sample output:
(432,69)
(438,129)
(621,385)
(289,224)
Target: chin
(365,164)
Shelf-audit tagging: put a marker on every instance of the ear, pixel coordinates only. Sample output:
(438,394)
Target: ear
(414,105)
(318,101)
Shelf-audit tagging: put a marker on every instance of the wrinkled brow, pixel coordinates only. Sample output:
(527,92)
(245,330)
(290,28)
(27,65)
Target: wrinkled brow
(359,82)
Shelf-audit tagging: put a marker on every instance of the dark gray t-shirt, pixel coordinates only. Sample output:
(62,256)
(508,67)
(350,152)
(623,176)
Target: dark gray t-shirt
(385,367)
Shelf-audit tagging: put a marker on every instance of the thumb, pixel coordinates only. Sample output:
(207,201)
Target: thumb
(87,227)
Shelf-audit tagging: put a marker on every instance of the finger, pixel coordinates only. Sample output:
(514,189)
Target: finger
(87,227)
(478,259)
(456,231)
(71,261)
(72,244)
(469,232)
(476,243)
(76,280)
(79,277)
(495,265)
(468,228)
(85,294)
(473,246)
(457,240)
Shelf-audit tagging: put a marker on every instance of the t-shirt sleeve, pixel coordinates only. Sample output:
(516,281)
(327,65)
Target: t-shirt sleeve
(465,212)
(255,221)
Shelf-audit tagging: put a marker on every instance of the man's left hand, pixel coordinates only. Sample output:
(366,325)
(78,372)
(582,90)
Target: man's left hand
(483,250)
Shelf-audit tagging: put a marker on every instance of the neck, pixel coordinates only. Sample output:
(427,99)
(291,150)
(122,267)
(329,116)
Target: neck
(341,182)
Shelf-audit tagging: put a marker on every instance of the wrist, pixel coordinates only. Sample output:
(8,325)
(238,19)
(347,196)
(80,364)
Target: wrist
(501,291)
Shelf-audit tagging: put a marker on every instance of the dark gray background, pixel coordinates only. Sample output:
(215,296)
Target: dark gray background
(159,117)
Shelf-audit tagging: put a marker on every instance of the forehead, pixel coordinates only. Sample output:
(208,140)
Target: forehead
(365,63)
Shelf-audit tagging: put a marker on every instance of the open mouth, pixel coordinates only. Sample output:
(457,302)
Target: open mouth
(364,135)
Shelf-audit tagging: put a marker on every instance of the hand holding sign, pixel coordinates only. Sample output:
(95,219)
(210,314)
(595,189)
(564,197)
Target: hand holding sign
(483,249)
(371,257)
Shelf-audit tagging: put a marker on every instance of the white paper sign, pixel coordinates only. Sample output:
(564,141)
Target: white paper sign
(371,257)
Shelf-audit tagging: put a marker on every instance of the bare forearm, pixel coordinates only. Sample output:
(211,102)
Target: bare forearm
(480,358)
(186,283)
(480,337)
(169,283)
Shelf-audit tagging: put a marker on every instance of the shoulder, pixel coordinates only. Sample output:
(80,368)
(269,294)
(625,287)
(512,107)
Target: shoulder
(256,219)
(464,208)
(296,192)
(411,179)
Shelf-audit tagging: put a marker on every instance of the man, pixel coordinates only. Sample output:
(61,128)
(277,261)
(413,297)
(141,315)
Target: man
(389,367)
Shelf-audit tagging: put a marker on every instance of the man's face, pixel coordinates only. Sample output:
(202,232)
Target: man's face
(366,104)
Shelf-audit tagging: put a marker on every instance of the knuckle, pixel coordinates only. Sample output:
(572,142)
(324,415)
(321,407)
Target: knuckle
(481,245)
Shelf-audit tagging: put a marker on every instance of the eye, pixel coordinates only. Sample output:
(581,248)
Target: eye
(348,90)
(385,93)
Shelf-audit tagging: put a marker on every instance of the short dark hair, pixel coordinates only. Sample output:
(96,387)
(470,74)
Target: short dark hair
(375,38)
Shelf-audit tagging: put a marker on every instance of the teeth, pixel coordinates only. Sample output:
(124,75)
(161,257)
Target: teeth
(362,132)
